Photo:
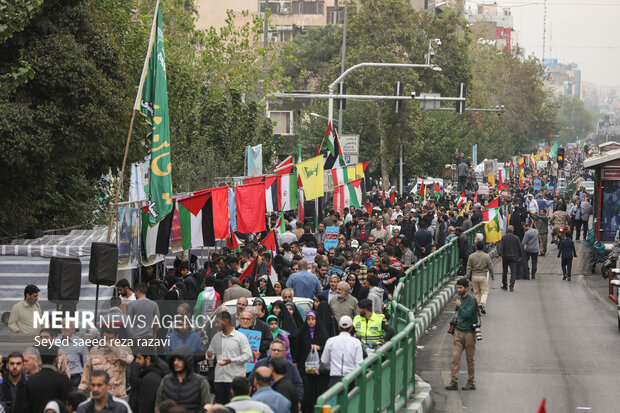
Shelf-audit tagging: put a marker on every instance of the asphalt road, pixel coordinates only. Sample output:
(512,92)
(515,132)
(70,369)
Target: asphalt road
(549,339)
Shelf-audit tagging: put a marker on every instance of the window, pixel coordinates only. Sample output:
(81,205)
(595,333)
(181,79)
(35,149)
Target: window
(308,7)
(335,15)
(283,120)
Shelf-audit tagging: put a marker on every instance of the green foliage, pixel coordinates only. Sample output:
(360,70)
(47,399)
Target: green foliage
(574,120)
(61,130)
(390,31)
(67,126)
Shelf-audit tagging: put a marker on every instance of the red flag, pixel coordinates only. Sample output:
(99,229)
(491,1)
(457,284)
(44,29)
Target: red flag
(368,207)
(249,269)
(219,197)
(250,200)
(392,196)
(476,198)
(502,186)
(232,242)
(383,194)
(318,150)
(270,241)
(462,199)
(541,408)
(422,189)
(253,179)
(493,204)
(285,167)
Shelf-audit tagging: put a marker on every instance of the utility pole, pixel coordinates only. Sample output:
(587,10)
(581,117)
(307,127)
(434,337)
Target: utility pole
(344,53)
(400,186)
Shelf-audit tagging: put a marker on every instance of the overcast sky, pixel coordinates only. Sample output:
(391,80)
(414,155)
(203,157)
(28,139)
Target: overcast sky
(586,32)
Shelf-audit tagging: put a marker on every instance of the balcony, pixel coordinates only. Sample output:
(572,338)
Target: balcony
(308,7)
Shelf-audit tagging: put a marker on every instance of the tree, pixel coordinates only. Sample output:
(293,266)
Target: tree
(60,130)
(574,120)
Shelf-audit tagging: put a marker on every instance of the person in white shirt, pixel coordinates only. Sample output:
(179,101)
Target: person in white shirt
(232,350)
(123,291)
(532,205)
(343,353)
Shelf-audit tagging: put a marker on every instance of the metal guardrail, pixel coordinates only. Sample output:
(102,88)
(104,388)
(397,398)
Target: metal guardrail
(385,380)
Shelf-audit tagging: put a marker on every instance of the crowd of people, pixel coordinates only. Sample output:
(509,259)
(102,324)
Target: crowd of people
(283,324)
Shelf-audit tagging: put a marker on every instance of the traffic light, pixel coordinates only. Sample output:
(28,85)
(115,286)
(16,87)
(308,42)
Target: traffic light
(398,91)
(560,157)
(460,105)
(342,90)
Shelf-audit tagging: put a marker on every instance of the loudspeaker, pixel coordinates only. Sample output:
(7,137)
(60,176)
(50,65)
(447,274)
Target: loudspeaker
(103,263)
(65,279)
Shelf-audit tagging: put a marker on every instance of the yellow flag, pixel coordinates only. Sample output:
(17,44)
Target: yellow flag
(492,230)
(491,180)
(311,174)
(359,170)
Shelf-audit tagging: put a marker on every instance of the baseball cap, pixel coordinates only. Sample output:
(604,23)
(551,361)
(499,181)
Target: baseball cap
(354,244)
(345,321)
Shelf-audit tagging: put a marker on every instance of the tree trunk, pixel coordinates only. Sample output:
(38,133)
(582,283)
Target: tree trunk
(385,175)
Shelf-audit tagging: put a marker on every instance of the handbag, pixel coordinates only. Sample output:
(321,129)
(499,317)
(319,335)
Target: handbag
(313,362)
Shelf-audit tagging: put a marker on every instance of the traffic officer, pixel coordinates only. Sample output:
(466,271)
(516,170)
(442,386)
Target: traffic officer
(371,326)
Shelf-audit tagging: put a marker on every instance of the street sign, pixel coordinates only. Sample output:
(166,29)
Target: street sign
(350,144)
(351,159)
(430,104)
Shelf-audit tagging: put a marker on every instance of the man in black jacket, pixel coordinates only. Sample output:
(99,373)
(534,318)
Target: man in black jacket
(277,349)
(14,386)
(186,388)
(151,371)
(510,251)
(423,241)
(46,385)
(282,384)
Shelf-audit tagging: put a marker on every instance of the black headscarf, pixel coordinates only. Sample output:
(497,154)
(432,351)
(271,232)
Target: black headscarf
(299,321)
(265,309)
(355,290)
(305,340)
(286,321)
(326,316)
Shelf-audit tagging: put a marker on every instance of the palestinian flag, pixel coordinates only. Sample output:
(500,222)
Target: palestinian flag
(383,194)
(249,269)
(271,193)
(422,189)
(287,192)
(436,190)
(462,199)
(285,167)
(196,219)
(354,192)
(492,228)
(156,238)
(270,242)
(493,204)
(233,242)
(392,196)
(334,156)
(501,186)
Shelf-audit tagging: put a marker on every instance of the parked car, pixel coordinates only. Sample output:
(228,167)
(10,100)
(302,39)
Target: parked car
(305,303)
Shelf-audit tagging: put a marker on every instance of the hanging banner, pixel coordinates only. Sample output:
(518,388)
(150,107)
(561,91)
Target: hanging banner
(128,238)
(330,240)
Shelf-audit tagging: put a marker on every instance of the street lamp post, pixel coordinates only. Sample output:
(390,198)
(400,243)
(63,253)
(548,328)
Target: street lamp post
(344,53)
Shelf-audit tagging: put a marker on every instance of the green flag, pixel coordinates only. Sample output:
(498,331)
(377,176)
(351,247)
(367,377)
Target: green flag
(554,149)
(152,101)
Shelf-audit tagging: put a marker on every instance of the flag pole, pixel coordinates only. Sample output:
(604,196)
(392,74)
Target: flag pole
(136,107)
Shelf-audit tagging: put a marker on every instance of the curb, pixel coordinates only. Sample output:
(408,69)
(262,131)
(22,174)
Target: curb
(431,310)
(422,400)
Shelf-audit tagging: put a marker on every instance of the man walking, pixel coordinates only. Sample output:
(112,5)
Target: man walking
(464,336)
(541,222)
(144,313)
(101,399)
(510,251)
(531,246)
(477,266)
(304,283)
(232,350)
(342,353)
(566,249)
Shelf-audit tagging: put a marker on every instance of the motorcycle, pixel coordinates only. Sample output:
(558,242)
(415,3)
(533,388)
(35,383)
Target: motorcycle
(610,262)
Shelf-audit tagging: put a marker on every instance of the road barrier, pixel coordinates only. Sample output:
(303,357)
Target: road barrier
(386,379)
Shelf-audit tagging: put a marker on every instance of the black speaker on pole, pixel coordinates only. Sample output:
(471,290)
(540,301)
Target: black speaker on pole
(103,263)
(65,279)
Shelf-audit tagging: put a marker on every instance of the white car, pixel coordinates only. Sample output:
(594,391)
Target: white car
(306,304)
(589,187)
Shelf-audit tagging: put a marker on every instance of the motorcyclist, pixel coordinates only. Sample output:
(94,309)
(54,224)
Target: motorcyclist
(559,220)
